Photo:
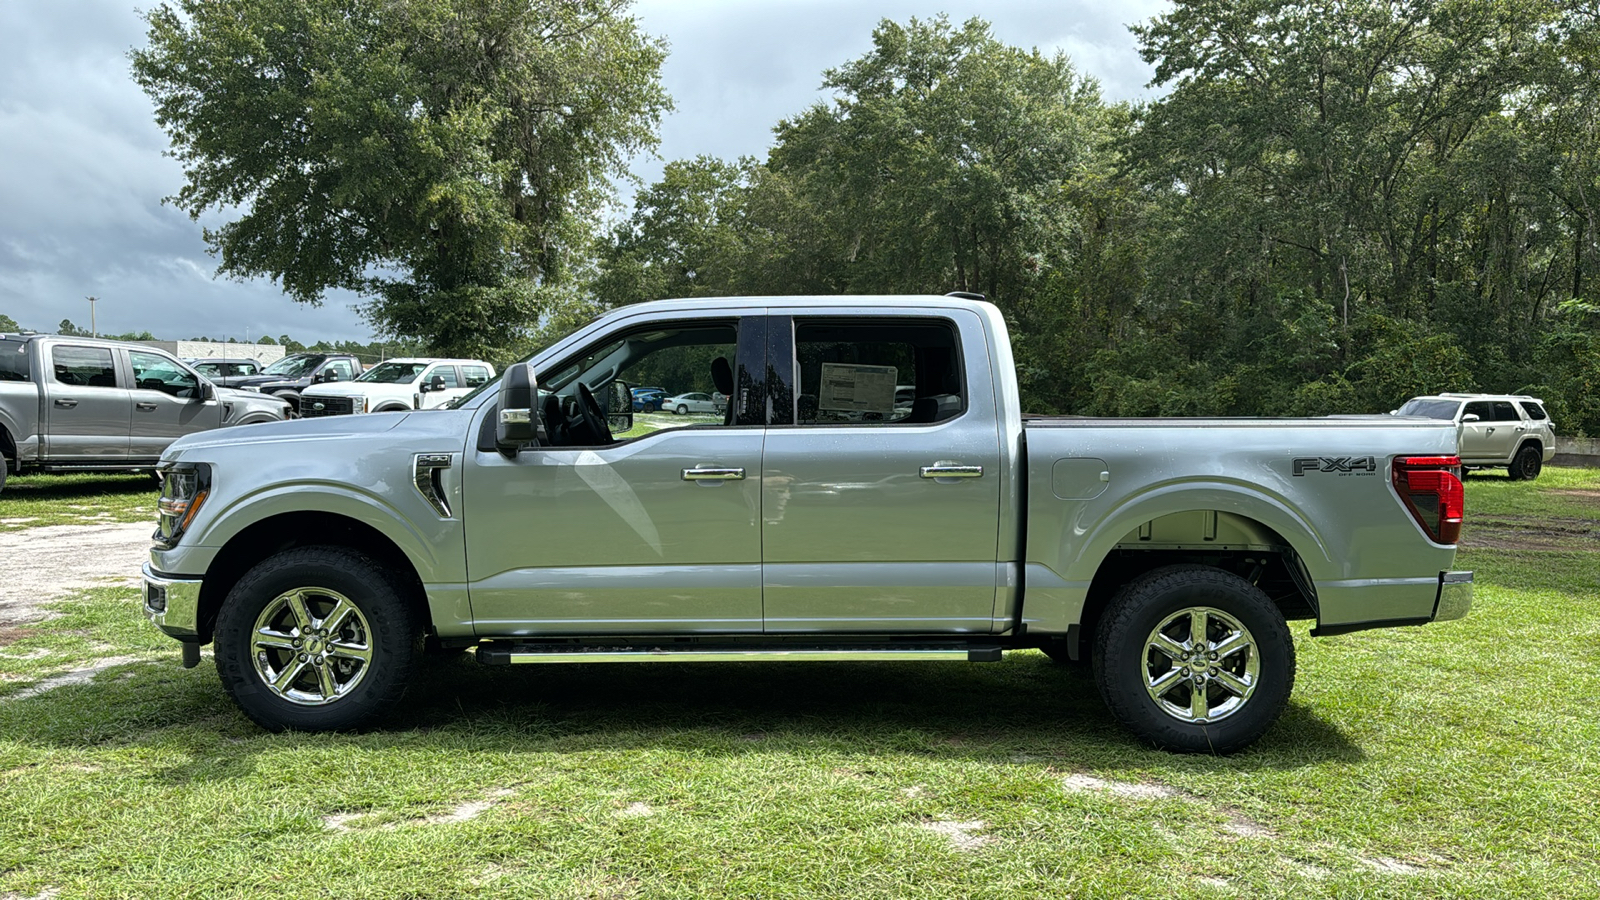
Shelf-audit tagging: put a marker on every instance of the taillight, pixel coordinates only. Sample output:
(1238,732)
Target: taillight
(1433,494)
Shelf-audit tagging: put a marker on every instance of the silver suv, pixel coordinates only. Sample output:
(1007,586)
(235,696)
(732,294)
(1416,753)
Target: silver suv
(1510,430)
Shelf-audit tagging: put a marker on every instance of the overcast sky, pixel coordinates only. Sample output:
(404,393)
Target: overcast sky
(82,172)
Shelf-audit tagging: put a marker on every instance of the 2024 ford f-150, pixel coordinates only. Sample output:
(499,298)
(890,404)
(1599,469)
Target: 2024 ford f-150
(821,519)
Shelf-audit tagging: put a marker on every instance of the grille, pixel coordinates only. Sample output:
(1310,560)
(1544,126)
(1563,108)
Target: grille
(311,407)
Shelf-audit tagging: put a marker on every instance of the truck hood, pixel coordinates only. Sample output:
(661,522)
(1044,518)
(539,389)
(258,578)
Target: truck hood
(356,389)
(276,381)
(319,429)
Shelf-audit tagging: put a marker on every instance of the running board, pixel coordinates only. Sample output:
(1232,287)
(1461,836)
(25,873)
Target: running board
(496,654)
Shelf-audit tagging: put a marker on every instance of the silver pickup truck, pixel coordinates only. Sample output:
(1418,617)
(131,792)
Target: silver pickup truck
(873,492)
(71,404)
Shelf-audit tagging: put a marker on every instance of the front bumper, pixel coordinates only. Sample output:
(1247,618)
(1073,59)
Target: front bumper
(172,604)
(1455,596)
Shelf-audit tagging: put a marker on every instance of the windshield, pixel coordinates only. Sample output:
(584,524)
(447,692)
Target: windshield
(1432,409)
(394,372)
(293,366)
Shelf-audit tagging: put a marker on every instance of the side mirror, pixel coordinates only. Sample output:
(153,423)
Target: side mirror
(518,424)
(208,391)
(619,415)
(330,375)
(436,383)
(1470,417)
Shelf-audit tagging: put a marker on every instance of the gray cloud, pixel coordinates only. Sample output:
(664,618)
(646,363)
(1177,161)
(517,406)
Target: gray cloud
(82,170)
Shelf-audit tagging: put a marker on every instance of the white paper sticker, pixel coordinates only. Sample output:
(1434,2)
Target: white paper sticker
(851,388)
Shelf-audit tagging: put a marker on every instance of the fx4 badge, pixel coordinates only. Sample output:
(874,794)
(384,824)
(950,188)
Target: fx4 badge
(1343,465)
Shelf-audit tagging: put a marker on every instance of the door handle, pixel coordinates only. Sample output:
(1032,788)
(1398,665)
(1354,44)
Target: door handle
(949,471)
(144,406)
(66,403)
(708,474)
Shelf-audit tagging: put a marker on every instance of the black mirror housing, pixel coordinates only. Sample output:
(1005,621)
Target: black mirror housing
(436,383)
(330,375)
(518,423)
(619,407)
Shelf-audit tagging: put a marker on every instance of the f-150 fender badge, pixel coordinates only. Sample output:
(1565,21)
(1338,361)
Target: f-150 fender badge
(1342,465)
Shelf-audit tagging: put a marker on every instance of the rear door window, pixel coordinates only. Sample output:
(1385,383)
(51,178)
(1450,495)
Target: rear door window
(83,366)
(876,373)
(1505,412)
(14,361)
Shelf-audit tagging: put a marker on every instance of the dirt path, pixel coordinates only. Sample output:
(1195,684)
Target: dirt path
(41,564)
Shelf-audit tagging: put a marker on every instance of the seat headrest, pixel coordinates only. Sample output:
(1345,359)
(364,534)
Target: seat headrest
(722,375)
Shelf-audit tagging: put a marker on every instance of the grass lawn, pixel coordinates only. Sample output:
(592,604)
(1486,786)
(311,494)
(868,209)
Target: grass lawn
(1454,760)
(28,501)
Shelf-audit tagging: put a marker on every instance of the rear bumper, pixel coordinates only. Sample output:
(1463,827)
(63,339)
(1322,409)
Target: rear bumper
(172,604)
(1455,596)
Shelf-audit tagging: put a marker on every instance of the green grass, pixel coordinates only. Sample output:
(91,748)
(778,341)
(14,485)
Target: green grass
(28,501)
(1453,760)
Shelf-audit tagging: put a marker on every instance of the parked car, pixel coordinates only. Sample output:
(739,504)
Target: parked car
(1510,431)
(397,384)
(648,399)
(70,404)
(695,402)
(289,377)
(320,557)
(225,371)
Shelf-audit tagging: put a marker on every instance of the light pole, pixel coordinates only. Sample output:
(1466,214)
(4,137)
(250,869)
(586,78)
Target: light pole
(94,330)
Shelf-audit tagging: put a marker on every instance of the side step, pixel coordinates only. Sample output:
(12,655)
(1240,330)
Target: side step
(502,653)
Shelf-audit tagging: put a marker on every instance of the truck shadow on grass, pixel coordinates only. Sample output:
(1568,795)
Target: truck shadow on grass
(1022,711)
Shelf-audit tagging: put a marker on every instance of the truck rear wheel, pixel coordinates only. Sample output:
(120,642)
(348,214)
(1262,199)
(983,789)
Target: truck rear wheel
(1195,659)
(316,639)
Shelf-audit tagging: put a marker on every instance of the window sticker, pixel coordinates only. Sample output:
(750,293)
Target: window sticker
(851,388)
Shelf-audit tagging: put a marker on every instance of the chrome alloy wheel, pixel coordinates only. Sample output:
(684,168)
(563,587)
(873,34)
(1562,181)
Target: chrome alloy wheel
(311,646)
(1200,665)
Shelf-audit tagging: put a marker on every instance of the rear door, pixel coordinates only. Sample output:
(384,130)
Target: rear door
(879,515)
(168,403)
(1477,438)
(87,409)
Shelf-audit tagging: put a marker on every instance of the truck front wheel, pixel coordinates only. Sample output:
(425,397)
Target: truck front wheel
(316,639)
(1195,659)
(1527,464)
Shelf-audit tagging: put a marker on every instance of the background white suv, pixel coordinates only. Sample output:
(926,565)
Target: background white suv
(1511,430)
(397,384)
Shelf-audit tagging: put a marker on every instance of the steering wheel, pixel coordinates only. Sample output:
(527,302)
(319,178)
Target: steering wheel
(593,416)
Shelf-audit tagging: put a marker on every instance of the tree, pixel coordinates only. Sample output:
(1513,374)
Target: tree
(70,330)
(8,324)
(441,157)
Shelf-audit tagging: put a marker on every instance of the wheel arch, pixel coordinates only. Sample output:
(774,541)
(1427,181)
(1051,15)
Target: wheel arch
(302,528)
(1231,527)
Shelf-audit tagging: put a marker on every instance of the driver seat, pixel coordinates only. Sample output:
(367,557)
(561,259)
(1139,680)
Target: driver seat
(722,380)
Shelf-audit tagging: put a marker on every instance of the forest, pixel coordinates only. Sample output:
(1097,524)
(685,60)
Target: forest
(1333,206)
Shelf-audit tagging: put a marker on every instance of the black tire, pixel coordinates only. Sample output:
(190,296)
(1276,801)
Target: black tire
(1129,660)
(5,469)
(1527,464)
(259,615)
(683,409)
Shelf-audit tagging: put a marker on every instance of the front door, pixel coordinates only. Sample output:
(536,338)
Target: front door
(87,412)
(881,502)
(168,403)
(656,531)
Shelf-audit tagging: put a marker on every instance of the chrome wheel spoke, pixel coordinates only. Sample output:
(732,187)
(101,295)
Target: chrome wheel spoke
(343,650)
(1235,685)
(330,689)
(286,676)
(1199,621)
(267,639)
(1164,682)
(1166,645)
(1232,644)
(336,619)
(302,614)
(1199,703)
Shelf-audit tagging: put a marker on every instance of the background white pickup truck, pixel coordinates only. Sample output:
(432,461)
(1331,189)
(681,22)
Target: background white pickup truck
(397,384)
(823,517)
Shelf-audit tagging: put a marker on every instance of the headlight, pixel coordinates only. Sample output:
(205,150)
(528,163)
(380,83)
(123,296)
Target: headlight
(184,488)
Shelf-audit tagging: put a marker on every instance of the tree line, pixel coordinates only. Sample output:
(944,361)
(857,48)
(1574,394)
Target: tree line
(1334,206)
